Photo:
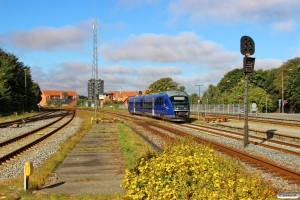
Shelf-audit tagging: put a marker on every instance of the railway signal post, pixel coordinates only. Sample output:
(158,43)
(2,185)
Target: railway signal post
(247,48)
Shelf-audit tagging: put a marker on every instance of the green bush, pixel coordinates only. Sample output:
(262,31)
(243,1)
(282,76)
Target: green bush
(186,170)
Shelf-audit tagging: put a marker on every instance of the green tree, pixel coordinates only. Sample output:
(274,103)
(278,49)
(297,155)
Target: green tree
(271,91)
(34,95)
(193,98)
(258,78)
(81,100)
(55,104)
(164,84)
(211,95)
(230,79)
(59,104)
(12,85)
(290,72)
(181,88)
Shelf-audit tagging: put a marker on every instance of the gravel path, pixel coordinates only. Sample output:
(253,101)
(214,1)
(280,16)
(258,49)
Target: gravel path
(94,166)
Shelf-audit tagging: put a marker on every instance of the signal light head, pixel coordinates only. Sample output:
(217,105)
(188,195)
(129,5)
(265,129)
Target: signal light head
(247,46)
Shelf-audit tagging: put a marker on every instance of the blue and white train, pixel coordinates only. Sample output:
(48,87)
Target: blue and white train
(169,105)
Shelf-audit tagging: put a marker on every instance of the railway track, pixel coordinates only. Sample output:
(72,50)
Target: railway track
(13,147)
(258,161)
(41,116)
(283,122)
(294,177)
(256,140)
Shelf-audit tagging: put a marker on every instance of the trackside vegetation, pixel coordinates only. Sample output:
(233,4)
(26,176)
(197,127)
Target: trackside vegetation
(132,146)
(186,170)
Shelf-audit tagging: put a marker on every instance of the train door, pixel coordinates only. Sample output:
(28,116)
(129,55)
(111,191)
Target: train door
(133,105)
(153,113)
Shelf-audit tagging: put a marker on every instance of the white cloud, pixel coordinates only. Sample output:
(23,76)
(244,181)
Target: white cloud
(233,11)
(184,47)
(63,77)
(71,74)
(267,63)
(50,38)
(285,26)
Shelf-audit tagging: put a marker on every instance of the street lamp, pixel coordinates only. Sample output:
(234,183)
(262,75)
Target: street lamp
(25,90)
(282,100)
(199,100)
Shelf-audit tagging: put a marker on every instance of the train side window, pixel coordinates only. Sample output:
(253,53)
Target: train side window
(166,102)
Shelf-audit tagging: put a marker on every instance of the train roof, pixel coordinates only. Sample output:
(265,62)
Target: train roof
(169,93)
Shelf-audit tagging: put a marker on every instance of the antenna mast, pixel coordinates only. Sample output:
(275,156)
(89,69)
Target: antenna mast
(95,62)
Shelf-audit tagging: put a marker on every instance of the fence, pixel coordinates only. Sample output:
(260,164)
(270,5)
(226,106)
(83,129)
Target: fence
(221,108)
(214,108)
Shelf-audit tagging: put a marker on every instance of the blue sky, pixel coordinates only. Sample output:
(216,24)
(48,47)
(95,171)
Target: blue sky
(141,41)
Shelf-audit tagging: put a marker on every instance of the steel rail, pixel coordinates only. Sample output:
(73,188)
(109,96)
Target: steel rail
(233,152)
(214,131)
(14,139)
(28,119)
(10,155)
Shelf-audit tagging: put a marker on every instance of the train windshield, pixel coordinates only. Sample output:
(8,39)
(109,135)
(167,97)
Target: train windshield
(180,102)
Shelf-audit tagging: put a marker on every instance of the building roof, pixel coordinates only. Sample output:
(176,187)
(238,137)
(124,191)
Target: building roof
(121,94)
(58,92)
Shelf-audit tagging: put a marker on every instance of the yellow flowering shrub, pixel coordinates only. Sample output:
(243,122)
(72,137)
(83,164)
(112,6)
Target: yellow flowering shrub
(186,170)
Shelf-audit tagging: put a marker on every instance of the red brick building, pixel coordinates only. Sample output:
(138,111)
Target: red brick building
(65,97)
(121,96)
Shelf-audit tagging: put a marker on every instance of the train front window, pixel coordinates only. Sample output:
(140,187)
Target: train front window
(180,102)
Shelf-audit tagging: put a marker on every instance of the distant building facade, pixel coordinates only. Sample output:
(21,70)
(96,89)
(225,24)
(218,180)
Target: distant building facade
(99,90)
(64,97)
(121,96)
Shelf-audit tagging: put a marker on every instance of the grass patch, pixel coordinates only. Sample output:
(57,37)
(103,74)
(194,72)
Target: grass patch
(11,117)
(132,146)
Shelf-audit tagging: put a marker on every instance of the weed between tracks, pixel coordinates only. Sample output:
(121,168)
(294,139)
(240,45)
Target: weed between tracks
(132,146)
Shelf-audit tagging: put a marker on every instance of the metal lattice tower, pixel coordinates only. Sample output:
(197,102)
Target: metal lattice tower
(95,62)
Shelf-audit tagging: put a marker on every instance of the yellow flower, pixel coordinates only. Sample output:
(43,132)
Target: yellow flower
(230,183)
